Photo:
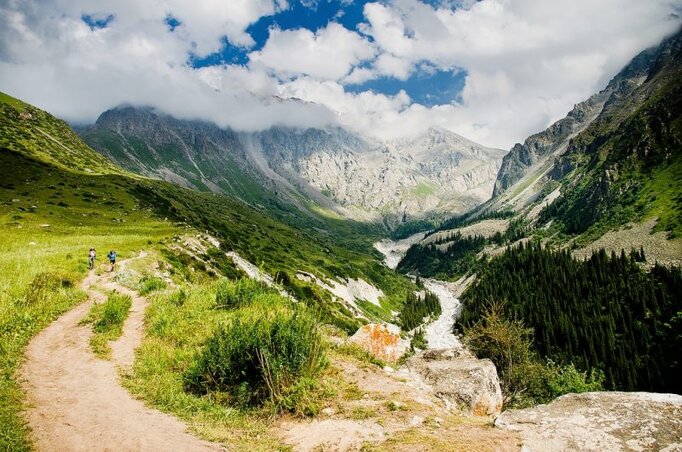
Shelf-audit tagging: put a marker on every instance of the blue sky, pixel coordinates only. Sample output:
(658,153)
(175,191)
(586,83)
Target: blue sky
(427,86)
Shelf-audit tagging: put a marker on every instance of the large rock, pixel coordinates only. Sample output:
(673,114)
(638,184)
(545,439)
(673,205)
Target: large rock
(381,340)
(600,421)
(460,379)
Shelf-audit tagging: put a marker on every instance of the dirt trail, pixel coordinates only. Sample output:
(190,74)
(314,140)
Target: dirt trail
(75,400)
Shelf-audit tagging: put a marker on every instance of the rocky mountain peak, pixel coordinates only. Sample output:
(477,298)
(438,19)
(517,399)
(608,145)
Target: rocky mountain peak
(436,172)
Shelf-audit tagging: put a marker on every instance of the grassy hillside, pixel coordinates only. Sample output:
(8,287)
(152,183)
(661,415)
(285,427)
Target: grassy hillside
(49,219)
(58,198)
(627,166)
(39,135)
(218,173)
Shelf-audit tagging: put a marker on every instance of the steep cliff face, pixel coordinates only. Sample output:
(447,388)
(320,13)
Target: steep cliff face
(193,154)
(540,149)
(357,177)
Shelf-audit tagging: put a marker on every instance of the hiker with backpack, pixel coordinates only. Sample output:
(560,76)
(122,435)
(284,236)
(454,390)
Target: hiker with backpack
(91,258)
(112,259)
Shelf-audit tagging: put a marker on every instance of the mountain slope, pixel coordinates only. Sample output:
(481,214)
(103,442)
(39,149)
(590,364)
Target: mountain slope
(627,165)
(535,155)
(58,197)
(616,159)
(40,136)
(330,171)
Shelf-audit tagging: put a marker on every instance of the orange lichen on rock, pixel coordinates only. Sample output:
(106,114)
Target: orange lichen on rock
(382,341)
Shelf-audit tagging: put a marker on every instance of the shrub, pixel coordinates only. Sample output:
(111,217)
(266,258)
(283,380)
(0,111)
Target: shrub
(565,379)
(178,297)
(264,354)
(235,294)
(149,284)
(525,379)
(114,312)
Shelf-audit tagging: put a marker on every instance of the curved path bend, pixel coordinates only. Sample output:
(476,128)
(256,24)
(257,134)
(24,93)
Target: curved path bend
(75,400)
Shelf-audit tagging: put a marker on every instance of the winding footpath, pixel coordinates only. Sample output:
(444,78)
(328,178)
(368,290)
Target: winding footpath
(75,400)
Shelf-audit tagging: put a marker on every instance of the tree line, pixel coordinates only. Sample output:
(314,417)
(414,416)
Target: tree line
(605,312)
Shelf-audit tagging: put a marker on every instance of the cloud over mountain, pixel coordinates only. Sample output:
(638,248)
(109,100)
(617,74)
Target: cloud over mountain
(526,61)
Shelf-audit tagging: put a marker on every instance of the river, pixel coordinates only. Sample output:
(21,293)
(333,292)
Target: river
(439,332)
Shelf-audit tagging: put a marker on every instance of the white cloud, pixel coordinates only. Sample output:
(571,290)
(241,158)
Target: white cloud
(527,61)
(58,63)
(328,54)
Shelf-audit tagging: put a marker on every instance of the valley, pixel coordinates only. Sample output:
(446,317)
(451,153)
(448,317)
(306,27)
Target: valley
(318,288)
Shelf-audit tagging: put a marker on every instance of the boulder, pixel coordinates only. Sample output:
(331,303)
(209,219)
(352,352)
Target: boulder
(460,379)
(600,421)
(381,340)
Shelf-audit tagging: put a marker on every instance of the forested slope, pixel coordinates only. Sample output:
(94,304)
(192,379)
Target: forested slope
(605,312)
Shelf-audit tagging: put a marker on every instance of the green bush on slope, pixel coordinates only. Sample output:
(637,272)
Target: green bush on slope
(525,379)
(263,354)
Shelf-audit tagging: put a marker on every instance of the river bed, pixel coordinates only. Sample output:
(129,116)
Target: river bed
(439,332)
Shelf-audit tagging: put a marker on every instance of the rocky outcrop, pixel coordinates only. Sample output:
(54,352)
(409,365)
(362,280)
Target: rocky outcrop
(600,421)
(381,340)
(460,379)
(554,141)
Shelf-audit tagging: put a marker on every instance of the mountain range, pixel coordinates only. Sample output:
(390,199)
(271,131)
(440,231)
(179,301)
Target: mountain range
(332,171)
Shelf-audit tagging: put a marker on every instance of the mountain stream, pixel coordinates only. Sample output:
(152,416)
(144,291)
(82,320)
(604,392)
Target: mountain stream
(439,332)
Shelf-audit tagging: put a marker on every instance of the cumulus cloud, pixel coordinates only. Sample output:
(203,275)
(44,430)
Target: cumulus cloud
(51,58)
(527,61)
(328,54)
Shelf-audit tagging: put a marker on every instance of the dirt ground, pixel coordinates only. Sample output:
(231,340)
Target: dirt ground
(385,409)
(75,400)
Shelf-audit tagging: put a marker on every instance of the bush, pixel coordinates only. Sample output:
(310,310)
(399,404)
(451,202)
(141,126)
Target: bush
(178,297)
(525,379)
(48,282)
(149,284)
(236,294)
(566,379)
(264,354)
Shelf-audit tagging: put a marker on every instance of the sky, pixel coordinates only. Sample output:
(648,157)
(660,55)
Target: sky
(494,71)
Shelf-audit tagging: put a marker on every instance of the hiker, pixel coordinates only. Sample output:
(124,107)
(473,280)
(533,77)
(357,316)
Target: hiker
(91,258)
(112,259)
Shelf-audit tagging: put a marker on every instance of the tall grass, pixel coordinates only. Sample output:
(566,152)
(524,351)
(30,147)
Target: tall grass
(264,353)
(232,295)
(107,321)
(149,284)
